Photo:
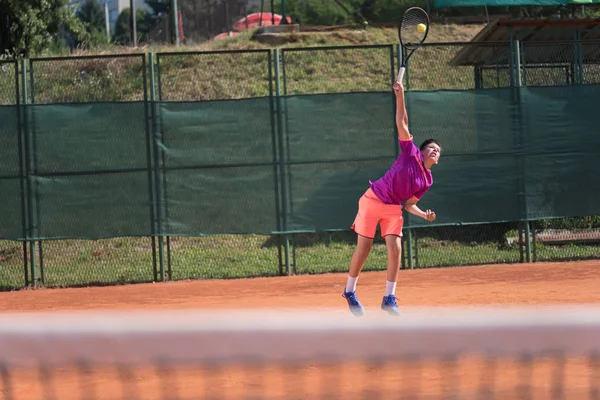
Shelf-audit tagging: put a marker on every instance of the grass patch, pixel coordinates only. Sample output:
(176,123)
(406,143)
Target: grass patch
(129,260)
(545,252)
(194,77)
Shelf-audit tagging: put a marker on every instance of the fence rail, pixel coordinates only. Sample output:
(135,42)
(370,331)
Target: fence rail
(153,167)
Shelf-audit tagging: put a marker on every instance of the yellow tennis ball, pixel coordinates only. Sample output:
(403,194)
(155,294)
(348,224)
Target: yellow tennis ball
(421,28)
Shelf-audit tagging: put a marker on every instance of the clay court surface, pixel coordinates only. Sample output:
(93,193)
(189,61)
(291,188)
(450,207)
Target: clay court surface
(519,284)
(505,285)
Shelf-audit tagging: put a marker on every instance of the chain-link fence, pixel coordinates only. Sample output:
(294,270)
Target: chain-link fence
(566,238)
(125,138)
(13,265)
(337,69)
(454,246)
(221,75)
(9,83)
(83,262)
(451,66)
(87,79)
(549,64)
(590,59)
(224,257)
(80,117)
(13,271)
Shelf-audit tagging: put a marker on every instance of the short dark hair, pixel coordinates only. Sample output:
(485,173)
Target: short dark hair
(428,142)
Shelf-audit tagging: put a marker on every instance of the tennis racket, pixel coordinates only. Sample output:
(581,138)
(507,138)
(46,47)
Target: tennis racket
(412,31)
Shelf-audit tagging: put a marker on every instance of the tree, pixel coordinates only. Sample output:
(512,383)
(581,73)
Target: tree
(144,21)
(31,26)
(92,16)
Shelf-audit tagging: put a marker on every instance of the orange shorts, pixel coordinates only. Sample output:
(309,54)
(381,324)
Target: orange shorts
(373,211)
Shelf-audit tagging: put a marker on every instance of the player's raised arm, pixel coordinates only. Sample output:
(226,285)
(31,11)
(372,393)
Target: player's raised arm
(401,116)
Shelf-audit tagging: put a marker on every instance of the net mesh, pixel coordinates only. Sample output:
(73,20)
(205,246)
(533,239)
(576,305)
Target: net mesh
(427,354)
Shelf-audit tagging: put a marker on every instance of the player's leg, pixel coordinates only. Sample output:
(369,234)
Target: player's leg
(393,244)
(359,257)
(391,230)
(365,226)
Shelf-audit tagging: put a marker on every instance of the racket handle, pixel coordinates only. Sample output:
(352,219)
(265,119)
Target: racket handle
(400,74)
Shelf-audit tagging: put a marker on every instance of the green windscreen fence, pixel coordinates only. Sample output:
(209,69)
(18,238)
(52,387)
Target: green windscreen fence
(334,143)
(561,142)
(195,168)
(219,167)
(12,197)
(478,174)
(508,154)
(511,154)
(91,168)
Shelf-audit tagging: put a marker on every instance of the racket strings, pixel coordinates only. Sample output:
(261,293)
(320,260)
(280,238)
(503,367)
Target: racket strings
(409,34)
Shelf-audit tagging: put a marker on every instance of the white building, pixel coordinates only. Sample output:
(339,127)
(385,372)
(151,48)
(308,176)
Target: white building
(114,8)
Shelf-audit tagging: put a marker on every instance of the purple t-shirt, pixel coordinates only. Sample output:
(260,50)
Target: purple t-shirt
(407,177)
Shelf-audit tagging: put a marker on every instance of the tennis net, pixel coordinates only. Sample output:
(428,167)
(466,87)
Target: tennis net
(440,353)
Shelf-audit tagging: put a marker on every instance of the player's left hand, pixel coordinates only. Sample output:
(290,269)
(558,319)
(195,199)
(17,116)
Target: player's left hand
(430,215)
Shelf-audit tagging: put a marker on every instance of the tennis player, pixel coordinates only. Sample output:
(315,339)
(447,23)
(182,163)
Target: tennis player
(402,186)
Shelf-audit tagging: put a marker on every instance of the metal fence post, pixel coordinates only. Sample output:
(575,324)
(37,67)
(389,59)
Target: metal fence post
(274,147)
(40,250)
(30,221)
(527,242)
(534,243)
(409,249)
(286,242)
(523,62)
(153,133)
(160,126)
(517,48)
(407,72)
(579,52)
(21,174)
(176,22)
(523,189)
(285,131)
(521,238)
(416,248)
(520,84)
